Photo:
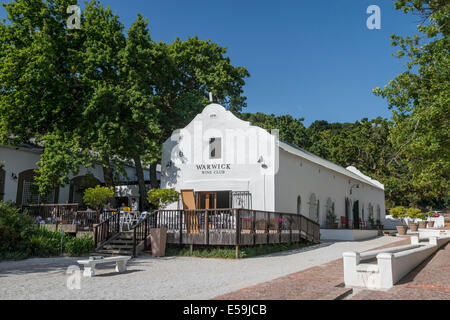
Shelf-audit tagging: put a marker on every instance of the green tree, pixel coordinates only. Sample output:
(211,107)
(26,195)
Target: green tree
(160,198)
(420,99)
(96,197)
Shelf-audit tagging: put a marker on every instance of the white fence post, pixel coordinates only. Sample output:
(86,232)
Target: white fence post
(385,261)
(351,260)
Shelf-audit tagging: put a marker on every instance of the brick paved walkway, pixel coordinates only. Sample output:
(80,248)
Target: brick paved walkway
(429,281)
(325,282)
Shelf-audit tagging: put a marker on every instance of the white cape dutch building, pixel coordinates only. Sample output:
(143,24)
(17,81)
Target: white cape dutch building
(228,163)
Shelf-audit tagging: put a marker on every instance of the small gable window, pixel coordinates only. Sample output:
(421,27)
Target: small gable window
(215,148)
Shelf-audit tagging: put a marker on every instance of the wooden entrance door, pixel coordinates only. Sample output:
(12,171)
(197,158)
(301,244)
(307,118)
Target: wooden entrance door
(207,200)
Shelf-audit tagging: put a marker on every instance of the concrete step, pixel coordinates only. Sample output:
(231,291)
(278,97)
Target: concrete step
(117,246)
(114,252)
(122,241)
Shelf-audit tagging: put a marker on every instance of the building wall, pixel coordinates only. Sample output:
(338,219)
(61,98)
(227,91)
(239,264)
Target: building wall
(300,177)
(243,145)
(275,184)
(17,160)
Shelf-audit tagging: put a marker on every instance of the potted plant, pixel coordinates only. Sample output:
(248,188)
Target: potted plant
(399,213)
(160,198)
(372,222)
(423,220)
(430,222)
(379,225)
(247,225)
(261,226)
(331,220)
(413,213)
(274,225)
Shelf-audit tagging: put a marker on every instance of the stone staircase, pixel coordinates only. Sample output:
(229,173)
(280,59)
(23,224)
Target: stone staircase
(122,244)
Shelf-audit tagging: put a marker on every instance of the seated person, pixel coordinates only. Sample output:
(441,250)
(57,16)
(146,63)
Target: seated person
(134,205)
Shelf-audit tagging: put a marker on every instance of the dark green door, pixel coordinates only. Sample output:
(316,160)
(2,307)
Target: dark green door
(356,215)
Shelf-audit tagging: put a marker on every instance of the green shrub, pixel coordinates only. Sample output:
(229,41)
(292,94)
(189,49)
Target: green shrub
(96,197)
(12,217)
(9,239)
(398,212)
(44,245)
(162,197)
(15,230)
(413,213)
(79,246)
(230,253)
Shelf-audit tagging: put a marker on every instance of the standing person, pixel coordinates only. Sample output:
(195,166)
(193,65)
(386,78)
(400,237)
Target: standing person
(134,205)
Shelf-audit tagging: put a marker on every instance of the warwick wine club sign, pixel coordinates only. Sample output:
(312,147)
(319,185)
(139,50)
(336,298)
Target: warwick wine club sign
(217,168)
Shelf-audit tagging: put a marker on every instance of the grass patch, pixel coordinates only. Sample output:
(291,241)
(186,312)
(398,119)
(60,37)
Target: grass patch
(229,252)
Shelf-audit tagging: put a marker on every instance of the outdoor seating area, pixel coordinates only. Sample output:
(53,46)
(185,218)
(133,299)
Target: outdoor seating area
(346,223)
(83,220)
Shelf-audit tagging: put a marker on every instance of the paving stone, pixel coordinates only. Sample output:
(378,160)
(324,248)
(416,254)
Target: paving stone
(428,281)
(324,282)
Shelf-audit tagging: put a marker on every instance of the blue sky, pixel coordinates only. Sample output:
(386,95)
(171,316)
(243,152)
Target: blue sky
(311,59)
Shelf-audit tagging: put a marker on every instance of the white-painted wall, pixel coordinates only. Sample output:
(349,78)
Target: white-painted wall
(300,177)
(273,188)
(16,160)
(240,154)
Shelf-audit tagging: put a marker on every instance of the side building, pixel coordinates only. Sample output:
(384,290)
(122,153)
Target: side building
(228,163)
(18,173)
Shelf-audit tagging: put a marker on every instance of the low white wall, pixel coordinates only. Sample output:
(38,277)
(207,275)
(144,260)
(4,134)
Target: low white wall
(393,263)
(425,233)
(347,234)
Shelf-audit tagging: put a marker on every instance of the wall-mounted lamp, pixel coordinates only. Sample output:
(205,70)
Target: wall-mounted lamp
(356,186)
(13,176)
(261,159)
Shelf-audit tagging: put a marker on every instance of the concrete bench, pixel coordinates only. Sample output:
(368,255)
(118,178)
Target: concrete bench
(392,263)
(89,265)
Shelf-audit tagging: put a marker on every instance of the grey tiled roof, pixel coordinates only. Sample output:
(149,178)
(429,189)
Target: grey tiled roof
(324,163)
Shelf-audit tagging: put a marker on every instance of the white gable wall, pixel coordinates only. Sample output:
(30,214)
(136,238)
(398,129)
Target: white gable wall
(239,170)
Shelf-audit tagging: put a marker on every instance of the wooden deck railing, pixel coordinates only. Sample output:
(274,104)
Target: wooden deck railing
(52,213)
(235,226)
(107,228)
(66,214)
(215,227)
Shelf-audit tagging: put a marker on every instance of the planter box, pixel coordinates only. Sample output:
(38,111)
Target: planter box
(158,238)
(402,230)
(69,228)
(422,224)
(332,225)
(414,227)
(247,224)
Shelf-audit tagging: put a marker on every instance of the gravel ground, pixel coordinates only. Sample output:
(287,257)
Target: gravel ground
(167,277)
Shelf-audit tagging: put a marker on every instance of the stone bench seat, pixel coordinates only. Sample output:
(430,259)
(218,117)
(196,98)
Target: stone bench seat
(89,265)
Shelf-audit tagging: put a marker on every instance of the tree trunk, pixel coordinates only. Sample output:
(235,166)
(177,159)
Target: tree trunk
(143,203)
(108,173)
(153,180)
